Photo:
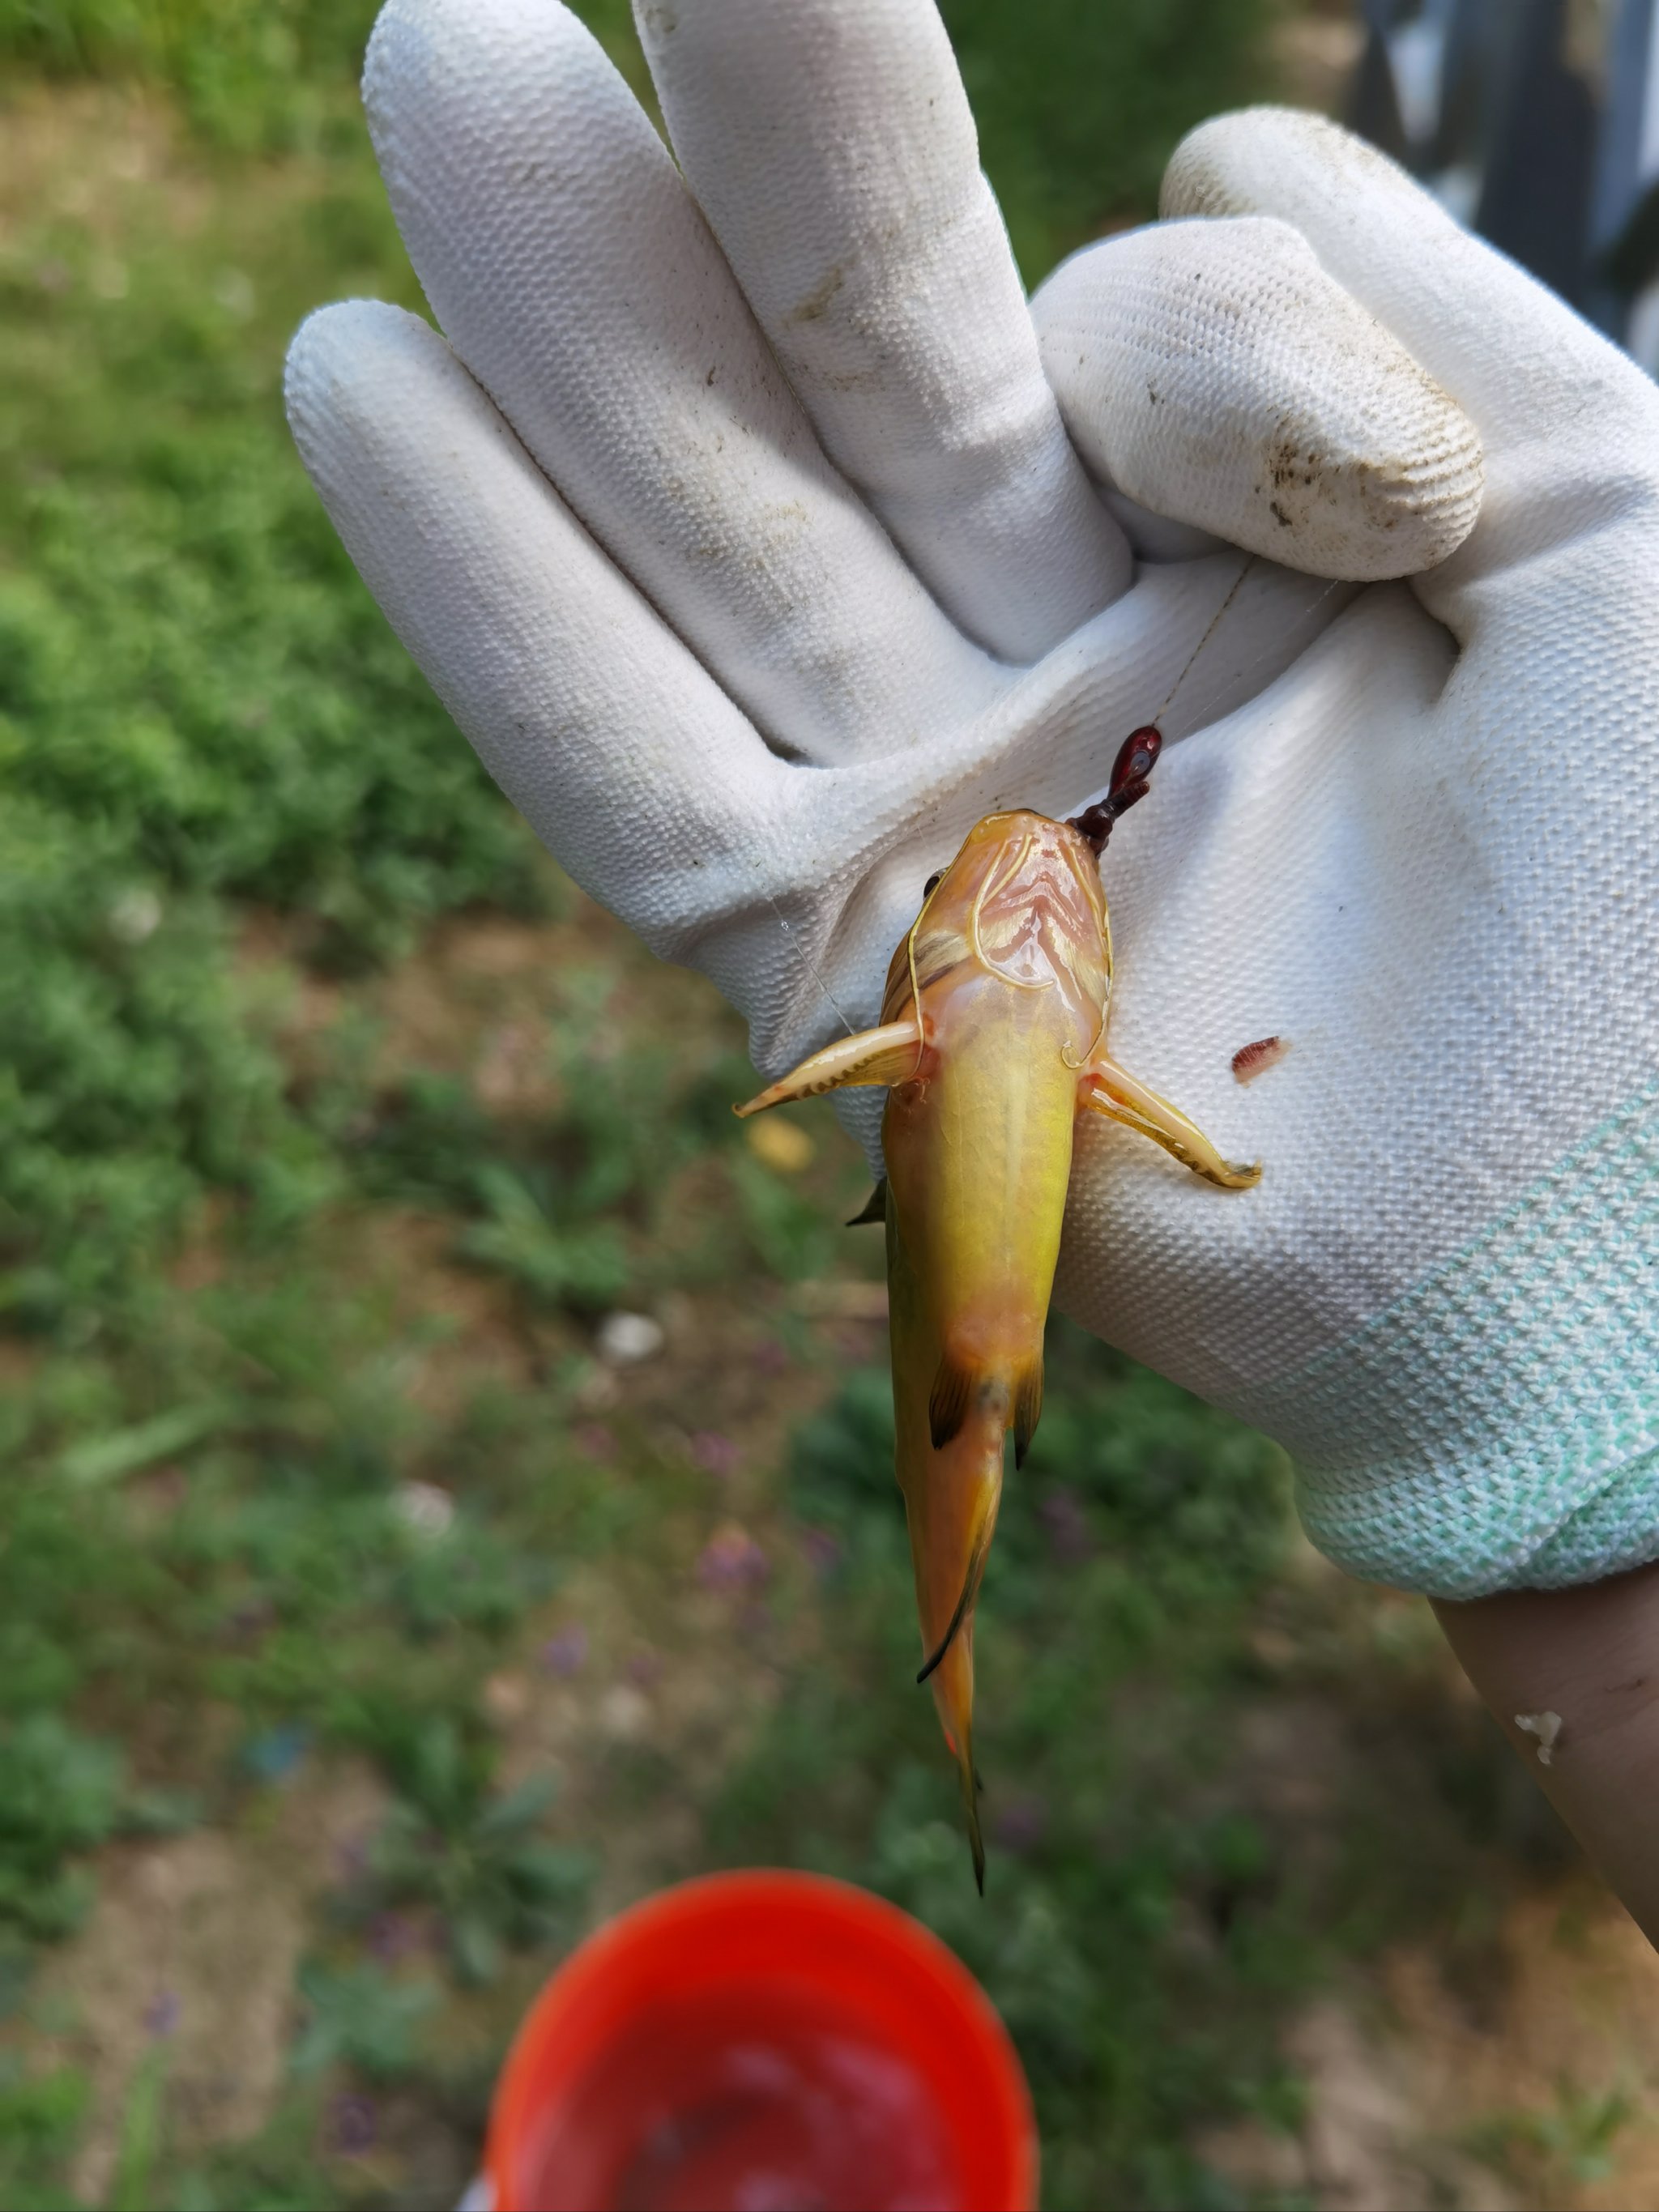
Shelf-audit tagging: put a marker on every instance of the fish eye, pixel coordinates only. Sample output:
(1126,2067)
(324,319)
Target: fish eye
(933,882)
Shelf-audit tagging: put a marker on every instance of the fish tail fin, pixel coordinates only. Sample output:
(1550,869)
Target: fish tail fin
(953,1694)
(951,1551)
(980,1530)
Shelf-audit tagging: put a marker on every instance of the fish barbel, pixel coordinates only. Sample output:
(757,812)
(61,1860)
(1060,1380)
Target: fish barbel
(992,1042)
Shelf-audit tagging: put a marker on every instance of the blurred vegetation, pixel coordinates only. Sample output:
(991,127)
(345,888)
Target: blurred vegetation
(272,1154)
(1077,105)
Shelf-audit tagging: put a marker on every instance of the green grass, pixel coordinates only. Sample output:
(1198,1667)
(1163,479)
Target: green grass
(199,710)
(281,1260)
(1077,106)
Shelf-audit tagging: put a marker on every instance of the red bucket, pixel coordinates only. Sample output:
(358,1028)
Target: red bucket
(763,2042)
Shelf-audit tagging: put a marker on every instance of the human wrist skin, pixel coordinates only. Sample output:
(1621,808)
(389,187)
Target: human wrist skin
(1589,1657)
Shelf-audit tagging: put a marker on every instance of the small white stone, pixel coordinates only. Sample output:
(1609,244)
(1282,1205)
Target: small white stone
(234,291)
(623,1713)
(424,1508)
(134,915)
(625,1339)
(1546,1726)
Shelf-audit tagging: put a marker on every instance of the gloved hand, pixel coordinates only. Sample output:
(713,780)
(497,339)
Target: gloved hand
(757,570)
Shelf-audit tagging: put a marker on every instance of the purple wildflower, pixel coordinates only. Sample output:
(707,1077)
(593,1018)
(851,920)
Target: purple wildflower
(354,2124)
(821,1549)
(1069,1534)
(732,1560)
(1021,1824)
(392,1936)
(566,1654)
(716,1454)
(352,1855)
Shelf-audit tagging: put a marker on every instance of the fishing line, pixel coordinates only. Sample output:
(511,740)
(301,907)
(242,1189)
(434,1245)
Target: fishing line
(1215,623)
(1267,652)
(809,963)
(804,958)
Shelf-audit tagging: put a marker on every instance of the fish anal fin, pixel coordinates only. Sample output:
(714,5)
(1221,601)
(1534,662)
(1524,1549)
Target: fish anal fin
(885,1056)
(874,1207)
(1028,1408)
(1106,1088)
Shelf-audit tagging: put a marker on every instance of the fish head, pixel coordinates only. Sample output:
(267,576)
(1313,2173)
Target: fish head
(1021,902)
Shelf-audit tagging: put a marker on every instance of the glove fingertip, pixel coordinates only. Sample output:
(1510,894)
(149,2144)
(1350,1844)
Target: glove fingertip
(1243,162)
(1214,372)
(353,360)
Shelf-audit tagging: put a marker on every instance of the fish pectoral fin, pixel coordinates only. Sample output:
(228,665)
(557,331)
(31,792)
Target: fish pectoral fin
(1106,1088)
(874,1207)
(887,1055)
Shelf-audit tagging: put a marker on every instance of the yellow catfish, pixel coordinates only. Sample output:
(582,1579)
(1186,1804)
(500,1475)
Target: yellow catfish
(993,1041)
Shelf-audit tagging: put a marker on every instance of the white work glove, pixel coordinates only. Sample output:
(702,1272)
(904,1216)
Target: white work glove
(757,569)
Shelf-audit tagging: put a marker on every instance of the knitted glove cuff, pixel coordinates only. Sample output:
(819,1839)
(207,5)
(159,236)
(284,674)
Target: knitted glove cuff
(1519,1385)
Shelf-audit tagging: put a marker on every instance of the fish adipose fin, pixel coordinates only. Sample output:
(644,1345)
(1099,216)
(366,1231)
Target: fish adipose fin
(1108,1089)
(885,1056)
